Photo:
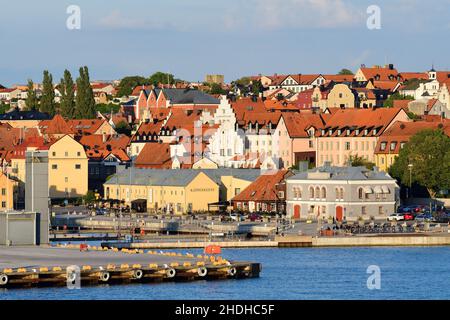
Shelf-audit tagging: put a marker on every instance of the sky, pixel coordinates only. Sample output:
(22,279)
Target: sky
(191,38)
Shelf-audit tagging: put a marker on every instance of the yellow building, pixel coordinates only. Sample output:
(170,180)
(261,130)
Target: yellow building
(7,192)
(175,191)
(67,169)
(178,191)
(341,96)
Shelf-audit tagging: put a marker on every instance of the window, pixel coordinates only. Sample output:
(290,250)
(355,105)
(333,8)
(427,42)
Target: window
(393,145)
(78,166)
(324,193)
(237,191)
(66,179)
(54,166)
(347,145)
(363,210)
(3,191)
(66,154)
(3,204)
(360,193)
(311,192)
(317,192)
(78,154)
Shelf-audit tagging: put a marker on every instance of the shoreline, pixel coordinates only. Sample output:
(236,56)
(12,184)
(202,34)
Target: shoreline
(297,242)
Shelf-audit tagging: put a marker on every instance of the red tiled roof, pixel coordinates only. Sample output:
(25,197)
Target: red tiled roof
(414,75)
(339,77)
(297,124)
(85,126)
(401,132)
(401,104)
(57,125)
(154,155)
(378,118)
(263,188)
(385,74)
(386,85)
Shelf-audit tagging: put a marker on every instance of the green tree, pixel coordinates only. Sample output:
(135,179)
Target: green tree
(127,85)
(89,197)
(345,72)
(123,128)
(161,77)
(257,87)
(107,108)
(67,90)
(216,89)
(48,94)
(85,102)
(357,161)
(4,107)
(389,102)
(32,102)
(425,160)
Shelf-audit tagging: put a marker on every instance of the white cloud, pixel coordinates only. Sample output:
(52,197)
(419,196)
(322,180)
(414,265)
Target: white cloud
(276,14)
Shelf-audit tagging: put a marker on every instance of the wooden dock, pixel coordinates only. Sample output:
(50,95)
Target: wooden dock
(61,266)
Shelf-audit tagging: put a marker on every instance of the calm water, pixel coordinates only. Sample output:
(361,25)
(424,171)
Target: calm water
(304,273)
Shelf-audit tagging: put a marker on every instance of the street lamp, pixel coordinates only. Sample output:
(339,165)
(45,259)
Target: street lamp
(410,167)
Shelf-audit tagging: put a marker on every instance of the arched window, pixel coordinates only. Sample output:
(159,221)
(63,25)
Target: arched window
(324,193)
(297,193)
(360,193)
(338,194)
(311,192)
(342,193)
(317,192)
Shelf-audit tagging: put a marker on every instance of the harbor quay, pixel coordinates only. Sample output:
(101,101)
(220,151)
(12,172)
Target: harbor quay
(64,265)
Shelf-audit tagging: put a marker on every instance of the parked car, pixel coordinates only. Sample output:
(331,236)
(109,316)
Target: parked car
(255,217)
(396,217)
(424,217)
(236,217)
(408,216)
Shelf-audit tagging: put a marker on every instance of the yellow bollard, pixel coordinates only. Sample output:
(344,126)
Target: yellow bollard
(153,266)
(57,269)
(136,266)
(124,266)
(186,264)
(86,268)
(111,266)
(174,264)
(21,270)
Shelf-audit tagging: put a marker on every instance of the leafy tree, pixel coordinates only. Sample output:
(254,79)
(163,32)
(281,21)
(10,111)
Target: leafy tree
(4,107)
(85,102)
(32,102)
(242,84)
(428,152)
(389,102)
(89,197)
(123,128)
(107,108)
(48,94)
(216,89)
(257,87)
(357,161)
(67,89)
(345,72)
(127,85)
(161,77)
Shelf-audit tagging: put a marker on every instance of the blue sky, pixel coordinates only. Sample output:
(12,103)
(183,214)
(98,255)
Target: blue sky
(191,38)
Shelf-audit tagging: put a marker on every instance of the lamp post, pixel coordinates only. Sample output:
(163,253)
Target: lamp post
(410,167)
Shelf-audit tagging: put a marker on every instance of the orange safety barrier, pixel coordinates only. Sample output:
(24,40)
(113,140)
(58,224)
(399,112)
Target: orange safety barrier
(213,249)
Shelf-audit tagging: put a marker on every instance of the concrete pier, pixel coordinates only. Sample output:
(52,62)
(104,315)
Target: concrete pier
(27,266)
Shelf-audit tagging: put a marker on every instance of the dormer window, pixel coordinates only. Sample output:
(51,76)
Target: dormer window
(374,131)
(348,132)
(323,132)
(330,132)
(339,132)
(383,146)
(366,132)
(393,145)
(357,132)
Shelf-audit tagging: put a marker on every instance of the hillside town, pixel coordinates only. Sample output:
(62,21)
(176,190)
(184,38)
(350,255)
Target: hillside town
(302,145)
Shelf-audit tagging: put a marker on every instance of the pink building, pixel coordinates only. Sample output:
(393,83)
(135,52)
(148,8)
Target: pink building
(354,132)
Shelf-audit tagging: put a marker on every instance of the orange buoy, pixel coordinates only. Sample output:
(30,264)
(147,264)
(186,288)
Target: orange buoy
(213,249)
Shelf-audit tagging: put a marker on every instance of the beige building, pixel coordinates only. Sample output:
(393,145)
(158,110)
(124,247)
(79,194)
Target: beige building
(68,169)
(8,188)
(341,96)
(215,78)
